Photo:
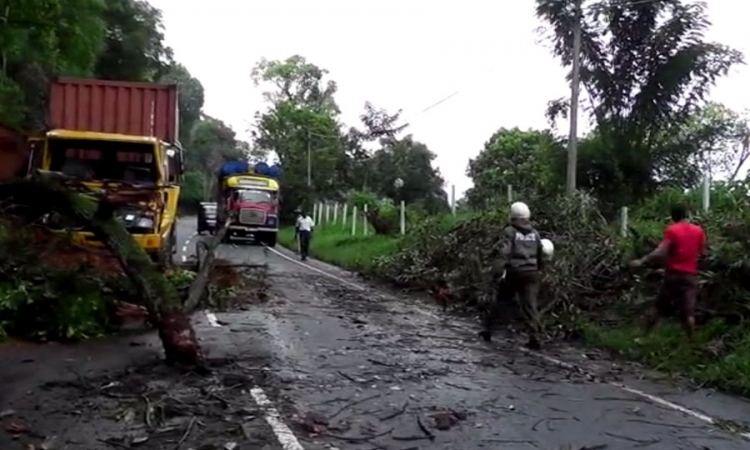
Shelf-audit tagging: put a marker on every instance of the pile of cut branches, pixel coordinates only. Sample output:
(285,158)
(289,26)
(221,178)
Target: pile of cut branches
(588,274)
(585,274)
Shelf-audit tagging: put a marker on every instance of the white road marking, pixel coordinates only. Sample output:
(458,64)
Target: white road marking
(637,392)
(315,269)
(283,433)
(644,395)
(212,319)
(185,247)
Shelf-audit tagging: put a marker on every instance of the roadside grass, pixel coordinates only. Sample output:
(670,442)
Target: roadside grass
(334,244)
(719,356)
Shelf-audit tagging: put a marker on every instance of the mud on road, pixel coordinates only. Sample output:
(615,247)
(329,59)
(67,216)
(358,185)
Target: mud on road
(349,367)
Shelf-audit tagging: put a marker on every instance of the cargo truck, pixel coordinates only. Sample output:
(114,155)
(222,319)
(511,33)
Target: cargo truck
(115,135)
(248,199)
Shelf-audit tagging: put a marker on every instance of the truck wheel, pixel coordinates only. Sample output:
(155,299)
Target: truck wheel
(270,239)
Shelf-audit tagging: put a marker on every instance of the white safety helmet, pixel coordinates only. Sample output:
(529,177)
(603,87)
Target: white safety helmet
(520,210)
(548,248)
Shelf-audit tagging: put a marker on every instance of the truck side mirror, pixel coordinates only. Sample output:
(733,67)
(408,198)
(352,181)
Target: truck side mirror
(175,164)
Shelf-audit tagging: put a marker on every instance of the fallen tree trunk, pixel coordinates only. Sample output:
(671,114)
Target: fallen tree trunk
(205,253)
(45,192)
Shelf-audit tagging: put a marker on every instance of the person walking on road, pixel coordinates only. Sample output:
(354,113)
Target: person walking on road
(683,245)
(297,215)
(517,273)
(304,228)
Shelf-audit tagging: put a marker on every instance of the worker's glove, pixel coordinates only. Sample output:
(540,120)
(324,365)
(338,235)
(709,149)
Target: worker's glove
(498,276)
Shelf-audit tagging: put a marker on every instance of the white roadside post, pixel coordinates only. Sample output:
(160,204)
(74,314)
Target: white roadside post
(403,217)
(354,220)
(328,212)
(343,215)
(364,221)
(398,183)
(335,213)
(510,193)
(453,199)
(624,221)
(315,211)
(706,194)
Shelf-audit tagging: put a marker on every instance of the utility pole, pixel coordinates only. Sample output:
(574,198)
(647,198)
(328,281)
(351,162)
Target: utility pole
(574,90)
(309,160)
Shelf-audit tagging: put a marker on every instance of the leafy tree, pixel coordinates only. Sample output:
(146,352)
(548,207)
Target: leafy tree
(645,69)
(192,97)
(379,126)
(295,134)
(718,137)
(40,39)
(532,162)
(297,82)
(134,47)
(212,143)
(300,127)
(411,161)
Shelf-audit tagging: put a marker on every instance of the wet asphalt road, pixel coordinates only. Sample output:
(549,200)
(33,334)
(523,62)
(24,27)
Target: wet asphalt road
(354,367)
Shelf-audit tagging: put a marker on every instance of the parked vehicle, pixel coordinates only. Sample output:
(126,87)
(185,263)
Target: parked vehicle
(248,197)
(116,136)
(207,217)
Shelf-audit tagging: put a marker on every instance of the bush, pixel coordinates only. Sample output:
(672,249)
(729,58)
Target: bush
(41,302)
(584,274)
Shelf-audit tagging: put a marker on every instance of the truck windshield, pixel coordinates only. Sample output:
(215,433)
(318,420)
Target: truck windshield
(87,159)
(256,196)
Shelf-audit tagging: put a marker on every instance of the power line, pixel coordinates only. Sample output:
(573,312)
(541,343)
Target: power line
(440,102)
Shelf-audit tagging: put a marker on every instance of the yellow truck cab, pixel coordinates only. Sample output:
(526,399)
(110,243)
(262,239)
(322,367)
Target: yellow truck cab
(112,162)
(116,136)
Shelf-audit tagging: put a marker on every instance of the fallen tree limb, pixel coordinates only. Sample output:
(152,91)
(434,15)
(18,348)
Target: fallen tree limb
(45,192)
(206,253)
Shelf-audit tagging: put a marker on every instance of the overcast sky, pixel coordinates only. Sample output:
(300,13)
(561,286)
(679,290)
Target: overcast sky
(404,54)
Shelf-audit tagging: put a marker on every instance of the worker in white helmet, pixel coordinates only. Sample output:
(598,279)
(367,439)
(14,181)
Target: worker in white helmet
(520,260)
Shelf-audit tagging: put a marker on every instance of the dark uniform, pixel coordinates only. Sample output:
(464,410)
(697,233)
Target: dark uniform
(521,261)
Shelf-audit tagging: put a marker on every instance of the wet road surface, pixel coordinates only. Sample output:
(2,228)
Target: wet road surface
(351,367)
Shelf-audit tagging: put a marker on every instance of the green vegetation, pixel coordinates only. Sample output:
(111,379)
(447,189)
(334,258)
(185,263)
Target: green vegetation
(335,244)
(720,355)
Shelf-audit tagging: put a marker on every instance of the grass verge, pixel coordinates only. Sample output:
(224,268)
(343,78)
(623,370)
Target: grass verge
(335,244)
(719,356)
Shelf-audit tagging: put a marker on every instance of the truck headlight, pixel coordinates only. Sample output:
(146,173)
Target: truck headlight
(144,222)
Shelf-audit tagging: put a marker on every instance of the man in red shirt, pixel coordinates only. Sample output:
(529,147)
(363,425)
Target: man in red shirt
(684,243)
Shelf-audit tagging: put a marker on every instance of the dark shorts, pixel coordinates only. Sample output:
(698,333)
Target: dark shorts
(678,294)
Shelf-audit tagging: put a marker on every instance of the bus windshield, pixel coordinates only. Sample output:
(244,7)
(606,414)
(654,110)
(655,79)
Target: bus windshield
(256,196)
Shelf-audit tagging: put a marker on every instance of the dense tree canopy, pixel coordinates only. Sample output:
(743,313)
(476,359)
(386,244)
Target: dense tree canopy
(302,128)
(645,72)
(532,162)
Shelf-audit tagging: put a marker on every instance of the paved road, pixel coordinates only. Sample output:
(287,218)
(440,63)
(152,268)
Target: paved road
(352,367)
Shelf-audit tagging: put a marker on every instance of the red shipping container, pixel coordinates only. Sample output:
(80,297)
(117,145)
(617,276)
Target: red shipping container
(123,107)
(13,153)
